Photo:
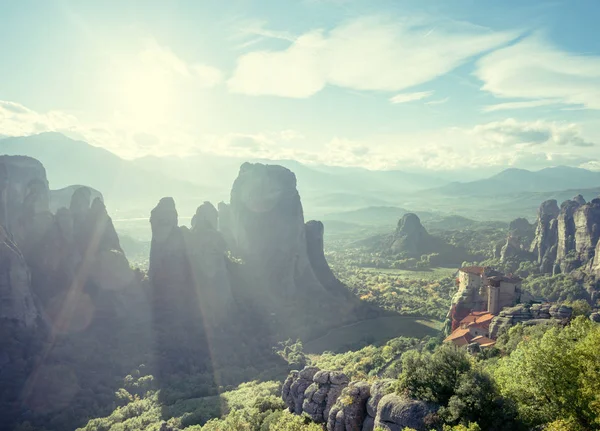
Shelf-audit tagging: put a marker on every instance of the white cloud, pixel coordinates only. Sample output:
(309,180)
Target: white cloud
(519,105)
(372,53)
(511,132)
(529,144)
(18,120)
(438,102)
(534,69)
(410,97)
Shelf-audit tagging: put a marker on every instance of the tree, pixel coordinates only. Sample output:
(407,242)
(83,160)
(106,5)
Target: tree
(433,377)
(555,376)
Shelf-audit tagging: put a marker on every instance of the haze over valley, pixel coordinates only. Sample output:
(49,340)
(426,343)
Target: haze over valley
(310,215)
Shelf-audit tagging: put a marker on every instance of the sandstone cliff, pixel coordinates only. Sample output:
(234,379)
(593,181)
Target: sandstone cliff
(567,238)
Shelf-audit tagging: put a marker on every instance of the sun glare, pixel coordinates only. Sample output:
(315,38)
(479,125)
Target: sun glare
(147,96)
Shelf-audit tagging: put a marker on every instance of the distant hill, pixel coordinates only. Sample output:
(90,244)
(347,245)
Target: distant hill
(124,185)
(521,180)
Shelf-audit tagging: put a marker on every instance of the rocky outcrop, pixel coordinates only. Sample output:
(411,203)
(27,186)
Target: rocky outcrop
(378,390)
(513,249)
(269,232)
(587,229)
(518,243)
(316,257)
(58,274)
(17,302)
(410,237)
(528,315)
(567,239)
(566,230)
(295,386)
(20,178)
(322,394)
(61,198)
(225,225)
(328,397)
(188,266)
(521,227)
(395,413)
(350,410)
(544,244)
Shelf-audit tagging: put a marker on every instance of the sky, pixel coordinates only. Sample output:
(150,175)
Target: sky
(382,84)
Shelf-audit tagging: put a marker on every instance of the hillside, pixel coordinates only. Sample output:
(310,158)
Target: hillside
(521,180)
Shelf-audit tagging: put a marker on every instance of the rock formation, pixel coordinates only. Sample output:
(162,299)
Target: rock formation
(58,271)
(188,267)
(269,231)
(411,241)
(350,410)
(410,237)
(528,315)
(328,397)
(323,393)
(567,239)
(17,302)
(396,413)
(518,242)
(544,244)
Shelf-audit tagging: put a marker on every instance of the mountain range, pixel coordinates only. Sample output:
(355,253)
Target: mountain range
(331,193)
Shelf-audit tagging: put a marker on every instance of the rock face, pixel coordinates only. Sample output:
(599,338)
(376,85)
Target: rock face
(322,394)
(544,244)
(188,267)
(528,315)
(316,256)
(410,237)
(57,272)
(395,413)
(518,243)
(350,410)
(567,239)
(269,231)
(16,298)
(328,397)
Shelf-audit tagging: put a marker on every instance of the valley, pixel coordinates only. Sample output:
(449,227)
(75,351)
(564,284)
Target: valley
(204,313)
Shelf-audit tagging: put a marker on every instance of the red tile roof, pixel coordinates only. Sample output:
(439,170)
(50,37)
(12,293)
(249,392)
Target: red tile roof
(483,341)
(460,336)
(477,318)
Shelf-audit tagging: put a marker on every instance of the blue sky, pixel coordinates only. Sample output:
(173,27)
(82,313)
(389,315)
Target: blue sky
(437,85)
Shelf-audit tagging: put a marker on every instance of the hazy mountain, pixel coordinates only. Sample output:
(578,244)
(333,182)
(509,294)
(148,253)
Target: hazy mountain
(521,180)
(124,185)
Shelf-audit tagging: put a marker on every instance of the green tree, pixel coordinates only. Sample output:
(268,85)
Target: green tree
(555,376)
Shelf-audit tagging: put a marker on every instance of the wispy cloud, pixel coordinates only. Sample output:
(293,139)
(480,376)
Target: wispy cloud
(161,59)
(519,105)
(509,142)
(372,53)
(410,97)
(534,69)
(438,102)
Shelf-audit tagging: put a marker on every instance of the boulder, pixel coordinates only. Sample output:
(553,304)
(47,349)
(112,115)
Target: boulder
(350,410)
(322,394)
(395,413)
(378,390)
(295,397)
